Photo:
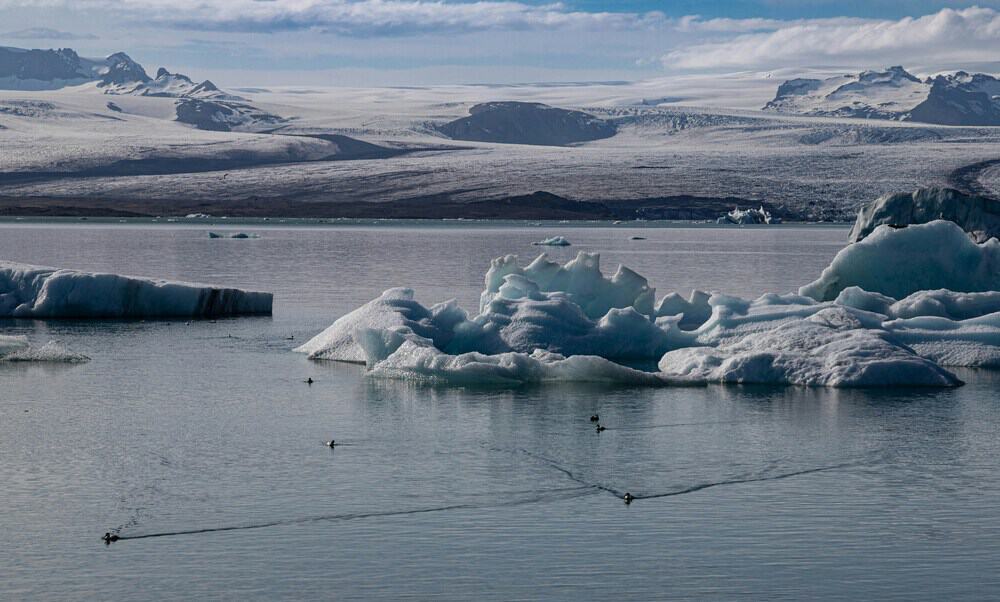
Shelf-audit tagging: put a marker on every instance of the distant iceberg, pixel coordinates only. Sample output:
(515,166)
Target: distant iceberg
(749,216)
(234,235)
(555,241)
(28,291)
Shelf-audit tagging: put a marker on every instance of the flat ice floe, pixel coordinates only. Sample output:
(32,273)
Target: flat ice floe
(18,349)
(28,291)
(552,322)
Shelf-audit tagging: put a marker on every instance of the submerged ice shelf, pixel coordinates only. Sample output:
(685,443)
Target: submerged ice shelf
(28,291)
(551,322)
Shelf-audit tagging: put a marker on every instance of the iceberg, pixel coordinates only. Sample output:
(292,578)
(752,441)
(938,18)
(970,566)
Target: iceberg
(234,235)
(978,216)
(973,342)
(748,216)
(555,241)
(398,353)
(394,308)
(831,348)
(900,262)
(549,322)
(28,291)
(17,349)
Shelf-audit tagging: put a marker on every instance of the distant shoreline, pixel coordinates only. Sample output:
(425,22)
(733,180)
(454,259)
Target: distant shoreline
(222,223)
(540,205)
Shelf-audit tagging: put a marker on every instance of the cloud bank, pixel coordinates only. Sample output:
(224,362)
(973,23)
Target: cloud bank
(971,34)
(46,33)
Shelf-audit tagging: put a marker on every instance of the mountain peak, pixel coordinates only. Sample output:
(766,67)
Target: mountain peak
(123,70)
(956,99)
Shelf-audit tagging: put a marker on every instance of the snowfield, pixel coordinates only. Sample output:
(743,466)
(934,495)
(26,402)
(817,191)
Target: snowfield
(702,137)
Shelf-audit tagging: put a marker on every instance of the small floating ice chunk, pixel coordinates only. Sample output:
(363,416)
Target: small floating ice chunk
(28,291)
(554,241)
(234,235)
(17,349)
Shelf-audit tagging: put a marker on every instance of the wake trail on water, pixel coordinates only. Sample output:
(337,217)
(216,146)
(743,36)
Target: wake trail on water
(533,497)
(756,477)
(673,425)
(748,479)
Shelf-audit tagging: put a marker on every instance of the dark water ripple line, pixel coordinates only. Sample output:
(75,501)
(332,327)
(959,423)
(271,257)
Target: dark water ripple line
(562,493)
(559,467)
(674,425)
(741,480)
(746,478)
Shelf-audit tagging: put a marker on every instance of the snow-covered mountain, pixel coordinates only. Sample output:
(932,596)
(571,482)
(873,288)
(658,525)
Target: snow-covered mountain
(22,69)
(956,99)
(166,84)
(202,105)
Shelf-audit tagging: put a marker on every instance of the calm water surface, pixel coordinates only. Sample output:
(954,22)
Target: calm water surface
(202,442)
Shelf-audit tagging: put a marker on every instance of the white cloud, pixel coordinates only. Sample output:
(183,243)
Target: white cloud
(971,34)
(359,17)
(46,33)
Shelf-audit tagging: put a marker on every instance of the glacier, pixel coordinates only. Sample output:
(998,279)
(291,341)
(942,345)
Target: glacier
(28,291)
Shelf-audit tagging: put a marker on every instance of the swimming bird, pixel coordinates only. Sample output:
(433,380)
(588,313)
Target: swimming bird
(108,538)
(309,381)
(628,497)
(331,443)
(601,428)
(595,418)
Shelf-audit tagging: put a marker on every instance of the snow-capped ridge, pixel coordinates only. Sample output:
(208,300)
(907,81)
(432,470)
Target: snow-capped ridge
(960,98)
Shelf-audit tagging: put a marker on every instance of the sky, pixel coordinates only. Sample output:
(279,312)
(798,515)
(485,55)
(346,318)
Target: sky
(414,42)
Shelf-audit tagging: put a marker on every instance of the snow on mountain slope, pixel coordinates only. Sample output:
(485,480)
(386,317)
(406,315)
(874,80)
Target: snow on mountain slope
(22,69)
(171,85)
(202,105)
(957,99)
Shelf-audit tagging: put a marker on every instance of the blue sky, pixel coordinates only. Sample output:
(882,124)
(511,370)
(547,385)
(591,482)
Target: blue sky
(363,42)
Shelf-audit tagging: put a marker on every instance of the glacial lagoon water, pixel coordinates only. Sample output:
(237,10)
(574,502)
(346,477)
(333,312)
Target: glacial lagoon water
(201,443)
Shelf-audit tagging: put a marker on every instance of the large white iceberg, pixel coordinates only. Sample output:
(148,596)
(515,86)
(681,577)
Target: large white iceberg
(900,262)
(28,291)
(551,322)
